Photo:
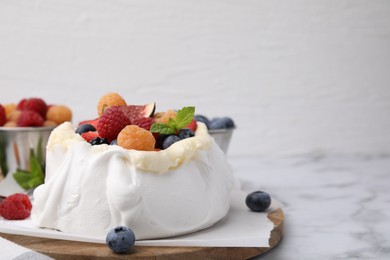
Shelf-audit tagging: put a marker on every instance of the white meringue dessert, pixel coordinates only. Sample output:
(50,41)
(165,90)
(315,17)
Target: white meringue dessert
(89,190)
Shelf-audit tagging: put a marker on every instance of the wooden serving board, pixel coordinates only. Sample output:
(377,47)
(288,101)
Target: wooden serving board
(63,249)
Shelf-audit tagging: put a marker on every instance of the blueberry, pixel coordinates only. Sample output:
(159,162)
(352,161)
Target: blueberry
(114,142)
(203,119)
(120,239)
(221,123)
(169,140)
(85,128)
(258,201)
(98,141)
(160,140)
(185,133)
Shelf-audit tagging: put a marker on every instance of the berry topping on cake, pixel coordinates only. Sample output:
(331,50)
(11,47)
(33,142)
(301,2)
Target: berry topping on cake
(29,118)
(169,140)
(89,136)
(120,239)
(93,122)
(112,122)
(192,125)
(138,127)
(185,133)
(99,141)
(137,138)
(15,207)
(85,128)
(109,100)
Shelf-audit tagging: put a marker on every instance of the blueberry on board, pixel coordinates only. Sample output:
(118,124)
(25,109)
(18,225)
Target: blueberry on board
(120,239)
(203,119)
(221,123)
(98,141)
(185,133)
(169,140)
(258,201)
(85,128)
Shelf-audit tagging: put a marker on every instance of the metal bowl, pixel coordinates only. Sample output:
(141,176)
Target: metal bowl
(17,146)
(222,137)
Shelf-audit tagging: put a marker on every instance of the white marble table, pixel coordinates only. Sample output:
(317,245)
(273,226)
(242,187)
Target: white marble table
(335,207)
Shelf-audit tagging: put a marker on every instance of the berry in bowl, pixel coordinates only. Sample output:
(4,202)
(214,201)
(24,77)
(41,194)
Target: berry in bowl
(220,128)
(24,131)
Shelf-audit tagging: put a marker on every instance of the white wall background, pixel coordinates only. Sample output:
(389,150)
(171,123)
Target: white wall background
(298,77)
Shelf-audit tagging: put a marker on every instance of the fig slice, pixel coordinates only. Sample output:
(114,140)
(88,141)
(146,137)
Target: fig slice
(138,111)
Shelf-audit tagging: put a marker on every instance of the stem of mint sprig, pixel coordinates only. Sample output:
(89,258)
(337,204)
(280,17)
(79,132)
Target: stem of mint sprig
(183,118)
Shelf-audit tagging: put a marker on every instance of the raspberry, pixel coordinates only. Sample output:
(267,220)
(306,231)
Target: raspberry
(3,117)
(14,115)
(49,123)
(144,122)
(111,123)
(93,122)
(193,125)
(21,104)
(16,206)
(163,117)
(109,100)
(137,138)
(59,114)
(29,118)
(89,136)
(35,104)
(9,108)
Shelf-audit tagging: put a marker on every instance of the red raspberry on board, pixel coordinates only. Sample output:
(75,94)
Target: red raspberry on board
(16,206)
(144,122)
(112,122)
(192,125)
(29,118)
(35,104)
(3,117)
(89,136)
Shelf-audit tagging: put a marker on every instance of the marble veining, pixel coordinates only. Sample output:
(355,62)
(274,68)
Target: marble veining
(335,207)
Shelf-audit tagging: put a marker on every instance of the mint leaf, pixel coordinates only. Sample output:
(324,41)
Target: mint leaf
(23,178)
(35,166)
(184,117)
(162,129)
(172,123)
(32,179)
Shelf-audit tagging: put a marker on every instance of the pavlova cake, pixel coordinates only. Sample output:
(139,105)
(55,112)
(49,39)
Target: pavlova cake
(161,174)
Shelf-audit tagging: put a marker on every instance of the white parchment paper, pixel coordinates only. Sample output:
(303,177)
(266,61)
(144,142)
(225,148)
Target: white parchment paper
(240,228)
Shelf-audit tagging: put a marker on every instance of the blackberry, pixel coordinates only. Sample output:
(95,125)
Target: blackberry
(99,141)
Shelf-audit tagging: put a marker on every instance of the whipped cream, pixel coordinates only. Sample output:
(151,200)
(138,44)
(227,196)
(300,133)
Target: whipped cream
(89,190)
